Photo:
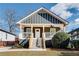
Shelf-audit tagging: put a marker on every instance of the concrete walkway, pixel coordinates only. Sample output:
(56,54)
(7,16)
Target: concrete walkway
(8,49)
(5,48)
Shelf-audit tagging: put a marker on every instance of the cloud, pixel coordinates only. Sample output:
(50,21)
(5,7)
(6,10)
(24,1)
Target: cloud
(74,5)
(65,14)
(77,21)
(64,11)
(61,9)
(72,25)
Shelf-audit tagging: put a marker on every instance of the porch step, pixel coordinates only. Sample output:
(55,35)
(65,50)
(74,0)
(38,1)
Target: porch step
(36,43)
(23,42)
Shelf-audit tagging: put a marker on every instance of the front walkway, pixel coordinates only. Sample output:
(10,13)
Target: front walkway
(8,49)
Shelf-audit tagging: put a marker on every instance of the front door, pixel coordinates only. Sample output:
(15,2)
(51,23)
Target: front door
(37,33)
(37,39)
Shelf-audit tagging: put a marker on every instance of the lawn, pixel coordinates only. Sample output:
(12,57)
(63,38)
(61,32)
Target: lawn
(41,53)
(29,53)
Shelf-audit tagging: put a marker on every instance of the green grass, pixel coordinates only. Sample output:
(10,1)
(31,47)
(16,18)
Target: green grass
(41,53)
(28,53)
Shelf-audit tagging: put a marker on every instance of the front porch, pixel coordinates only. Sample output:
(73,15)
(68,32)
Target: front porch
(37,34)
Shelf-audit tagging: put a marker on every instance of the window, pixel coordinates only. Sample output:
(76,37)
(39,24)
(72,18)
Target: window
(53,20)
(43,15)
(50,18)
(77,36)
(46,15)
(52,29)
(27,29)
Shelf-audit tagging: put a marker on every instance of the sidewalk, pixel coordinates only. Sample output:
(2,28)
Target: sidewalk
(8,49)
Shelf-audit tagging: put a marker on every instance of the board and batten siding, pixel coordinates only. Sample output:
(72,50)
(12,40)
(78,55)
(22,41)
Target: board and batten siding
(42,18)
(6,36)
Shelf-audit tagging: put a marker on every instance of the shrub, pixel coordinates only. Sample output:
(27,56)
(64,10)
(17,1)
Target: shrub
(75,43)
(60,40)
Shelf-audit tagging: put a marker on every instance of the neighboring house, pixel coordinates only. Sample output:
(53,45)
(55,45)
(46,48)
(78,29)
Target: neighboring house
(41,25)
(74,34)
(6,38)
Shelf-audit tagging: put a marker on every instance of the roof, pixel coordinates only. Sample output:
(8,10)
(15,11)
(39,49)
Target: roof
(74,30)
(52,13)
(7,32)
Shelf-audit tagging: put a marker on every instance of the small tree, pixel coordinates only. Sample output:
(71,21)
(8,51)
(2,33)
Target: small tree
(59,38)
(10,19)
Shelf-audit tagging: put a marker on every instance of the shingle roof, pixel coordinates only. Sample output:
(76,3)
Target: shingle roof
(74,30)
(7,32)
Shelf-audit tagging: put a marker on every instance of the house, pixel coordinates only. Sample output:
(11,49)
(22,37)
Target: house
(6,38)
(74,34)
(40,26)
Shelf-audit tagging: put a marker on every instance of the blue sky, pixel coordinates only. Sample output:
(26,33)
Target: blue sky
(69,12)
(22,8)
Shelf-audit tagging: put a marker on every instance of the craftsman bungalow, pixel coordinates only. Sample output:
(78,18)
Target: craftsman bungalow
(40,25)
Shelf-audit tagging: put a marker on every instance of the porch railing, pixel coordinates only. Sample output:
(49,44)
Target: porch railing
(26,34)
(49,34)
(46,34)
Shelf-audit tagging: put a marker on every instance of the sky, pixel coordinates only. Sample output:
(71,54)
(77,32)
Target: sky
(69,12)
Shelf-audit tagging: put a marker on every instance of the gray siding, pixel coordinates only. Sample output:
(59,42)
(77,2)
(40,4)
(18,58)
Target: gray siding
(42,18)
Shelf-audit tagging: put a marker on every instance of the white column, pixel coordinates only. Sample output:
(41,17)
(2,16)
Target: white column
(21,32)
(43,32)
(31,38)
(43,35)
(32,31)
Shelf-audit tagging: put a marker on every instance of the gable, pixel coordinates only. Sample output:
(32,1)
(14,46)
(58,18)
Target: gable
(36,18)
(42,15)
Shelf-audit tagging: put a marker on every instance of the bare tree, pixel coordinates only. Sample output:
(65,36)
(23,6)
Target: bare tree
(11,21)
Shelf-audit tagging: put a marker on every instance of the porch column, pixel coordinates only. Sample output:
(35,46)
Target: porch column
(43,38)
(31,38)
(21,32)
(62,28)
